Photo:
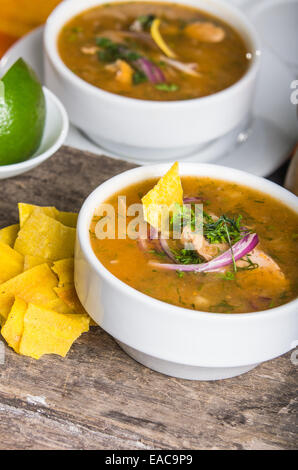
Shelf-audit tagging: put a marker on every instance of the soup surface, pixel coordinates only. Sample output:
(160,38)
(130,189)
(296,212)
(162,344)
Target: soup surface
(153,51)
(263,279)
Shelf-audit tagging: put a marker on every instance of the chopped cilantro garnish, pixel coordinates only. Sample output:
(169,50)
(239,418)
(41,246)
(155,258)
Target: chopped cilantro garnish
(187,256)
(223,229)
(112,51)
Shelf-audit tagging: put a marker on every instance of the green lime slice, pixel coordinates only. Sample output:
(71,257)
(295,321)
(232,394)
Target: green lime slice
(22,114)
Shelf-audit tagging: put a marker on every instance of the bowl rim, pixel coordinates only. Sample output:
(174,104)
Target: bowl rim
(51,49)
(85,244)
(37,159)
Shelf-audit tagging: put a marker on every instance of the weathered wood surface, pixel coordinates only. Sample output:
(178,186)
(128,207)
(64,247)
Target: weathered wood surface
(99,398)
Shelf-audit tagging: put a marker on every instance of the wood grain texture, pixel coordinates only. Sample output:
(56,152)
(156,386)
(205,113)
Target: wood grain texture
(99,398)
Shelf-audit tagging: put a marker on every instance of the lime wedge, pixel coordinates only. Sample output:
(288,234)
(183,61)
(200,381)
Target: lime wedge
(22,114)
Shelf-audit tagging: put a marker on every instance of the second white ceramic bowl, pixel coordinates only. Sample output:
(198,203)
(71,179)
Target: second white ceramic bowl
(148,130)
(170,339)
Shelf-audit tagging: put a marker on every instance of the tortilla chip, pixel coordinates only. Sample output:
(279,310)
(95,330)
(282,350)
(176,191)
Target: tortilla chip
(35,285)
(65,271)
(68,218)
(59,306)
(32,261)
(69,296)
(11,262)
(49,332)
(167,192)
(9,234)
(45,237)
(13,328)
(25,210)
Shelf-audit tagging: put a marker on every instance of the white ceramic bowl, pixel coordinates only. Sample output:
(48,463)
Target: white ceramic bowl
(170,339)
(149,130)
(55,133)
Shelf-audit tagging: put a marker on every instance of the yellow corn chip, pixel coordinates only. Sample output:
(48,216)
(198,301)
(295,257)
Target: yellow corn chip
(59,306)
(65,271)
(35,285)
(25,210)
(45,237)
(49,332)
(167,192)
(67,218)
(32,261)
(11,262)
(13,328)
(9,234)
(69,296)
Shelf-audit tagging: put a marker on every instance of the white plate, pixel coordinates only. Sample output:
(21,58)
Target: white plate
(55,133)
(273,130)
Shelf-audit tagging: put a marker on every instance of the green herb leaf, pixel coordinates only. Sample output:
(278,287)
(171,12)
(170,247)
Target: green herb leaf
(157,253)
(231,248)
(228,276)
(112,51)
(77,29)
(139,77)
(250,265)
(169,87)
(104,42)
(180,273)
(187,256)
(223,229)
(131,55)
(146,20)
(223,305)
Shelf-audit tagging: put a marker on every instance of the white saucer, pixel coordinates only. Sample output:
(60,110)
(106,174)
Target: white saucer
(273,131)
(54,135)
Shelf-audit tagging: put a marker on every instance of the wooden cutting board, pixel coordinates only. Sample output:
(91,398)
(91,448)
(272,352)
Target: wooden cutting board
(99,398)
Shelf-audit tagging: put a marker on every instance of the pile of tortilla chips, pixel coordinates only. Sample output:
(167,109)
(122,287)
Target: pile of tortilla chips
(40,312)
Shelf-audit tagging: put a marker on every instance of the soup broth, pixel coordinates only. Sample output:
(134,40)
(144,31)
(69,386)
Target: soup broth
(266,280)
(153,51)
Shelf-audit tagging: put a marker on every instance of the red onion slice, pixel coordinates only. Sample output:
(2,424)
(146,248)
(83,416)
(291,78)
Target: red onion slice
(153,233)
(240,249)
(152,72)
(165,247)
(190,200)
